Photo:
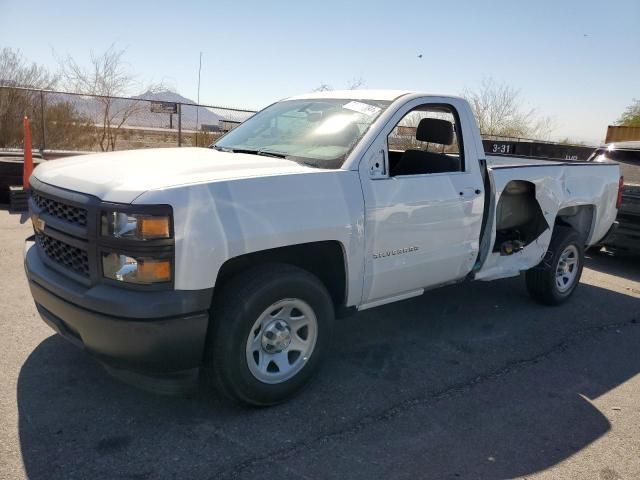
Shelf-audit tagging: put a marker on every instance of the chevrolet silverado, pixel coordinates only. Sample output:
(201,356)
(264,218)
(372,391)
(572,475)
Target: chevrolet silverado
(234,261)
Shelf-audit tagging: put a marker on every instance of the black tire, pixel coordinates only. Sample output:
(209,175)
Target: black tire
(235,309)
(541,279)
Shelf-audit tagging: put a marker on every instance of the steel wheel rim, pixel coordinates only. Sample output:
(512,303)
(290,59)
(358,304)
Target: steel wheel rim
(281,341)
(567,268)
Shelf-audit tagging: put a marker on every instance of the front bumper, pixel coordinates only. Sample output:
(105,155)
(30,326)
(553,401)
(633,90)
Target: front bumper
(157,333)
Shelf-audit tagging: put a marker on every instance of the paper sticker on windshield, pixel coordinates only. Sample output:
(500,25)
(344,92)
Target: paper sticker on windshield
(363,108)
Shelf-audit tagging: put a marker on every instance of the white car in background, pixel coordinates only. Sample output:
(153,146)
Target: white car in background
(626,236)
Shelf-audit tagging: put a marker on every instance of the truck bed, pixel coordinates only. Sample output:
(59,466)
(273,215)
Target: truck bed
(502,161)
(582,193)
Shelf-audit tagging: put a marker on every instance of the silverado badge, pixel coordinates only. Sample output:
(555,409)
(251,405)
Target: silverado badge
(398,251)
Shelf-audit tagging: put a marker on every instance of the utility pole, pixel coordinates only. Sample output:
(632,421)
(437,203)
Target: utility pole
(179,124)
(198,101)
(43,143)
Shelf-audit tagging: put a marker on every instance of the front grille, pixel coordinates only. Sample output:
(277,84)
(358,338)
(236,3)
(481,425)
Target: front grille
(73,258)
(62,211)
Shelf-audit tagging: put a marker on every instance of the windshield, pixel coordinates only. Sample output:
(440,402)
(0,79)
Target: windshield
(320,133)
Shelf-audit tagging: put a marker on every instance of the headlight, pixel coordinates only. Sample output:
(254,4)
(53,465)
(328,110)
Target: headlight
(135,226)
(141,270)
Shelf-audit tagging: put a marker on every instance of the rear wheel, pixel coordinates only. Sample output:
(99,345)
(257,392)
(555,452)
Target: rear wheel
(554,279)
(270,328)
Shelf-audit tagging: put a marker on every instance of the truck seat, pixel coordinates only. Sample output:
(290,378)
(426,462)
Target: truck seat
(414,162)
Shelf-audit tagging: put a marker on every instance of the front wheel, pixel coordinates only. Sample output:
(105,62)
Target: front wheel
(554,279)
(270,328)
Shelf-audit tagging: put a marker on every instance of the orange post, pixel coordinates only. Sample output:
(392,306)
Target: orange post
(28,155)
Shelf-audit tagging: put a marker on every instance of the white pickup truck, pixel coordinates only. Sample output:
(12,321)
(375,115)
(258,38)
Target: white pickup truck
(234,260)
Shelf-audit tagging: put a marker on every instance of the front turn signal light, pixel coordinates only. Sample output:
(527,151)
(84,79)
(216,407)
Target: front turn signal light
(153,227)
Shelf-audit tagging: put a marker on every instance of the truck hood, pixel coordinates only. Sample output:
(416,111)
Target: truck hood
(123,176)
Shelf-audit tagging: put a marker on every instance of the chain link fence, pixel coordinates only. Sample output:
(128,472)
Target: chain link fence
(76,122)
(72,122)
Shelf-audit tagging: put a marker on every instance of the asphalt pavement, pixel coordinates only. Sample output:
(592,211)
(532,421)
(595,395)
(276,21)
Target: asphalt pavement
(472,381)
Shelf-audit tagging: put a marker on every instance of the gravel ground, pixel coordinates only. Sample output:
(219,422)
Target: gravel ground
(469,381)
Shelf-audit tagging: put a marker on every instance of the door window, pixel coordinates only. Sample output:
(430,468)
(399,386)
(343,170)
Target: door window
(426,141)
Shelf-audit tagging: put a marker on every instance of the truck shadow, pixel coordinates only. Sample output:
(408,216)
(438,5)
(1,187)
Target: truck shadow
(469,381)
(621,265)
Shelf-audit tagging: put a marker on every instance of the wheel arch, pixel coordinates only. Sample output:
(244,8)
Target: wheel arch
(579,217)
(325,259)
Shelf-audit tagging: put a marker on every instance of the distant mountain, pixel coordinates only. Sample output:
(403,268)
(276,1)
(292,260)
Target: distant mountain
(164,96)
(142,116)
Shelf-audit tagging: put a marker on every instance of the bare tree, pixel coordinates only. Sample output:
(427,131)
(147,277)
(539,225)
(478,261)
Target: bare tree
(15,71)
(354,84)
(107,77)
(500,111)
(323,87)
(15,103)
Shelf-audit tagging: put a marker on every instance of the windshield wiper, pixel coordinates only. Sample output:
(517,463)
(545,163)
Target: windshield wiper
(221,149)
(269,153)
(261,151)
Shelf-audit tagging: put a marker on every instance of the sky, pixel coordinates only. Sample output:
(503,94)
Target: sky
(577,62)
